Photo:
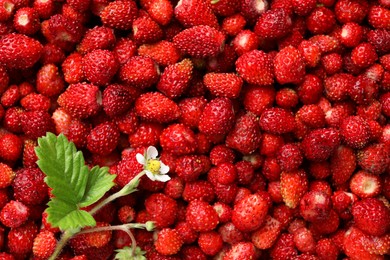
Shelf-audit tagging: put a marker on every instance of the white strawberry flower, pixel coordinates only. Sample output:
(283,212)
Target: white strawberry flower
(155,169)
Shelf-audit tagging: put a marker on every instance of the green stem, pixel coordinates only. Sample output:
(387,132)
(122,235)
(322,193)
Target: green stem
(68,234)
(127,189)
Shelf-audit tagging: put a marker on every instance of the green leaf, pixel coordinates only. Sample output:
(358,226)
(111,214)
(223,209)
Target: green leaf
(99,182)
(127,254)
(73,184)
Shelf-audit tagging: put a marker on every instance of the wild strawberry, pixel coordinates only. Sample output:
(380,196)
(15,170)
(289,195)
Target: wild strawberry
(292,71)
(257,99)
(4,79)
(223,84)
(342,164)
(315,206)
(338,85)
(233,24)
(210,242)
(385,102)
(273,24)
(309,91)
(49,81)
(7,10)
(378,39)
(201,216)
(200,41)
(162,209)
(146,30)
(99,37)
(250,212)
(351,11)
(251,10)
(36,123)
(168,241)
(7,175)
(319,144)
(326,249)
(292,186)
(289,157)
(141,72)
(44,244)
(159,10)
(187,234)
(365,185)
(217,117)
(354,245)
(10,97)
(189,167)
(374,158)
(20,240)
(72,68)
(146,134)
(332,63)
(10,147)
(178,139)
(284,247)
(156,107)
(364,55)
(303,8)
(198,190)
(63,31)
(176,79)
(14,214)
(81,100)
(19,51)
(265,236)
(255,67)
(124,49)
(26,21)
(103,139)
(240,250)
(99,66)
(119,14)
(351,34)
(6,256)
(379,17)
(29,186)
(117,99)
(163,52)
(321,20)
(355,132)
(194,13)
(78,132)
(191,110)
(311,53)
(311,115)
(221,153)
(272,119)
(286,98)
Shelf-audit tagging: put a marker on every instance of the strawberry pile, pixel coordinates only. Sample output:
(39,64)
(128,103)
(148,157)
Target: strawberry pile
(273,117)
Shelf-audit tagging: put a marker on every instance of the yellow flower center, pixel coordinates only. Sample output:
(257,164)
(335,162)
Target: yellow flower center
(153,166)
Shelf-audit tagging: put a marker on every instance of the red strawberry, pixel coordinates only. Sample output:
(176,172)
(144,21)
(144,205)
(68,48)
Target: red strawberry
(379,17)
(200,41)
(342,164)
(99,66)
(20,240)
(311,53)
(176,79)
(241,250)
(29,186)
(155,107)
(375,158)
(49,81)
(277,121)
(289,66)
(141,72)
(146,134)
(354,245)
(14,214)
(245,135)
(119,14)
(223,84)
(10,147)
(117,99)
(193,13)
(168,241)
(273,24)
(365,185)
(201,216)
(191,110)
(351,34)
(217,117)
(29,156)
(364,55)
(233,24)
(19,51)
(252,9)
(163,52)
(178,139)
(351,11)
(210,242)
(289,157)
(326,249)
(303,8)
(255,67)
(319,144)
(292,186)
(265,237)
(44,244)
(78,132)
(99,37)
(73,69)
(159,10)
(321,20)
(146,30)
(103,139)
(284,247)
(7,10)
(378,39)
(36,123)
(7,175)
(198,190)
(189,167)
(355,132)
(124,49)
(81,100)
(250,212)
(26,21)
(162,209)
(10,97)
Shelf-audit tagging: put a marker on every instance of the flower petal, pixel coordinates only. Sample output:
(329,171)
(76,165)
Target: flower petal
(163,168)
(150,175)
(151,152)
(140,158)
(163,178)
